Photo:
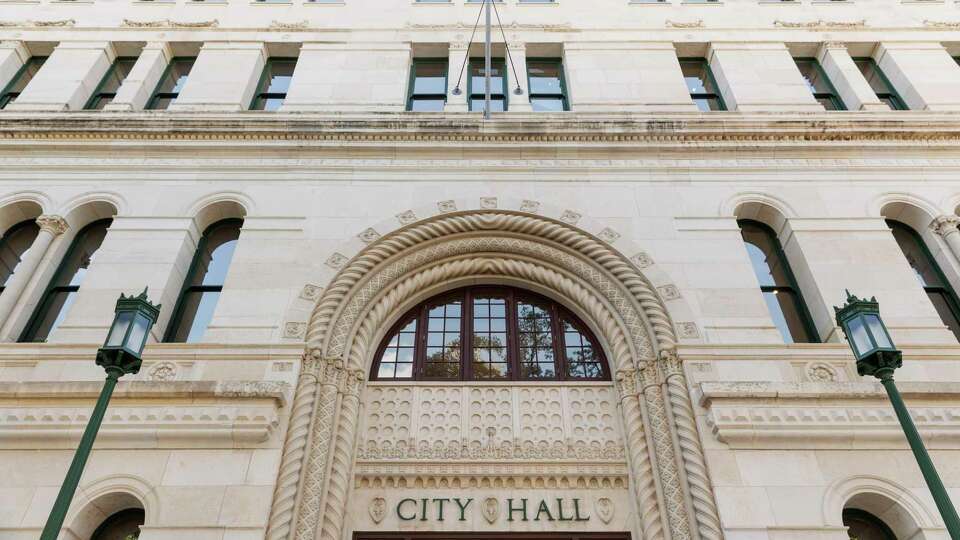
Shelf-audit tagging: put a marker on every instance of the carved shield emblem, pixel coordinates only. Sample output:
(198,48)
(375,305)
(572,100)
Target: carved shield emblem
(604,508)
(491,509)
(378,509)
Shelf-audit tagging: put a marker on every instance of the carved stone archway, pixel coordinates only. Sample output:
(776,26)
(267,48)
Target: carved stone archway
(668,470)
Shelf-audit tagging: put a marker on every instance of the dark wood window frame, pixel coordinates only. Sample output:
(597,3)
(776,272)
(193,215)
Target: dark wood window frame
(832,96)
(412,95)
(495,95)
(558,314)
(8,96)
(891,97)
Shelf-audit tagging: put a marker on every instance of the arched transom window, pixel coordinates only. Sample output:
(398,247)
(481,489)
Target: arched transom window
(490,333)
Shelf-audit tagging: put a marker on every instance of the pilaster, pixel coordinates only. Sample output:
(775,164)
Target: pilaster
(457,102)
(759,77)
(924,74)
(138,87)
(13,54)
(854,90)
(68,78)
(359,77)
(224,77)
(625,76)
(518,102)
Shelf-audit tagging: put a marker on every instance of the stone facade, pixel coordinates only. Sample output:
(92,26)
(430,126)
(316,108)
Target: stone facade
(624,209)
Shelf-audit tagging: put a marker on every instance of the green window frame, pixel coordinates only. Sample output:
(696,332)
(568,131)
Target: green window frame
(14,243)
(778,283)
(63,288)
(881,86)
(826,94)
(705,93)
(934,282)
(272,92)
(191,317)
(167,96)
(476,92)
(110,83)
(415,96)
(536,94)
(24,75)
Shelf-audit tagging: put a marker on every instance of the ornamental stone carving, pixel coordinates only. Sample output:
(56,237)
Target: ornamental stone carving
(604,508)
(489,203)
(669,292)
(368,236)
(570,217)
(491,509)
(311,292)
(608,235)
(530,207)
(406,218)
(162,371)
(945,225)
(446,207)
(592,277)
(294,330)
(642,260)
(821,372)
(336,261)
(378,509)
(54,225)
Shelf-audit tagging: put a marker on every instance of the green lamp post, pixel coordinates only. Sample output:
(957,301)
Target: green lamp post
(119,355)
(878,357)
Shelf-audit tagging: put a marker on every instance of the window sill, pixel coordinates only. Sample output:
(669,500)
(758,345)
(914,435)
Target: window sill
(476,383)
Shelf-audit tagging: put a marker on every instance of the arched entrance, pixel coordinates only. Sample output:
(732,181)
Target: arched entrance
(668,477)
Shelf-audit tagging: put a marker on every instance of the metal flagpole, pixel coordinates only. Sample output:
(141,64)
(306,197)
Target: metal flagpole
(488,64)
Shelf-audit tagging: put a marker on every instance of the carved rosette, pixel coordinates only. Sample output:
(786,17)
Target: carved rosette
(54,225)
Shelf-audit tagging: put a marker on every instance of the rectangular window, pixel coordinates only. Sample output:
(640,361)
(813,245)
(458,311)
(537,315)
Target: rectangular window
(274,83)
(171,83)
(498,85)
(819,85)
(879,83)
(21,79)
(701,85)
(107,89)
(428,85)
(548,90)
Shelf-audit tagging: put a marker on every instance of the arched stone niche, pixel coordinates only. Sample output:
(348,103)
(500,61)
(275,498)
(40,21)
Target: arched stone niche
(602,285)
(908,517)
(96,502)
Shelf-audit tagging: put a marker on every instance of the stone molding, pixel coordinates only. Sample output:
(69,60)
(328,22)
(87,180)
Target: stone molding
(443,129)
(237,412)
(375,284)
(535,476)
(827,414)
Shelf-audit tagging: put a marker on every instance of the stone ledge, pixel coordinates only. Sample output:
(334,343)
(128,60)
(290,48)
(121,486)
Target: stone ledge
(175,390)
(740,391)
(828,415)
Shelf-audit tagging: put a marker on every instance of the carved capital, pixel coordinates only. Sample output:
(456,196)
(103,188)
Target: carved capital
(834,45)
(649,376)
(54,225)
(627,382)
(670,363)
(334,373)
(945,225)
(353,382)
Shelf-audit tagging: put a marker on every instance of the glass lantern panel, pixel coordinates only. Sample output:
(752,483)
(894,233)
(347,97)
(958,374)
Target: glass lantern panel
(880,336)
(119,329)
(858,336)
(138,334)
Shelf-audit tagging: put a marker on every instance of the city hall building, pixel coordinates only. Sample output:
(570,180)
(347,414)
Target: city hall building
(605,313)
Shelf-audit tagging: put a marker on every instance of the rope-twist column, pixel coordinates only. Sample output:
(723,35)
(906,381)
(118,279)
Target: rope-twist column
(308,514)
(639,454)
(341,465)
(294,448)
(670,480)
(694,463)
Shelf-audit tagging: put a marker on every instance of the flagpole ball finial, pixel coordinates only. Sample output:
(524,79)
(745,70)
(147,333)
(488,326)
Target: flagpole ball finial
(518,91)
(457,91)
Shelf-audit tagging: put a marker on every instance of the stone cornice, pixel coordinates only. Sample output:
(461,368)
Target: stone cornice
(392,129)
(23,392)
(21,353)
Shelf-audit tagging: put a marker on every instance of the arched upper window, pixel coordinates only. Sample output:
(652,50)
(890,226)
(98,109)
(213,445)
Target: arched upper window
(204,282)
(13,245)
(780,291)
(65,284)
(511,334)
(929,275)
(124,525)
(863,525)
